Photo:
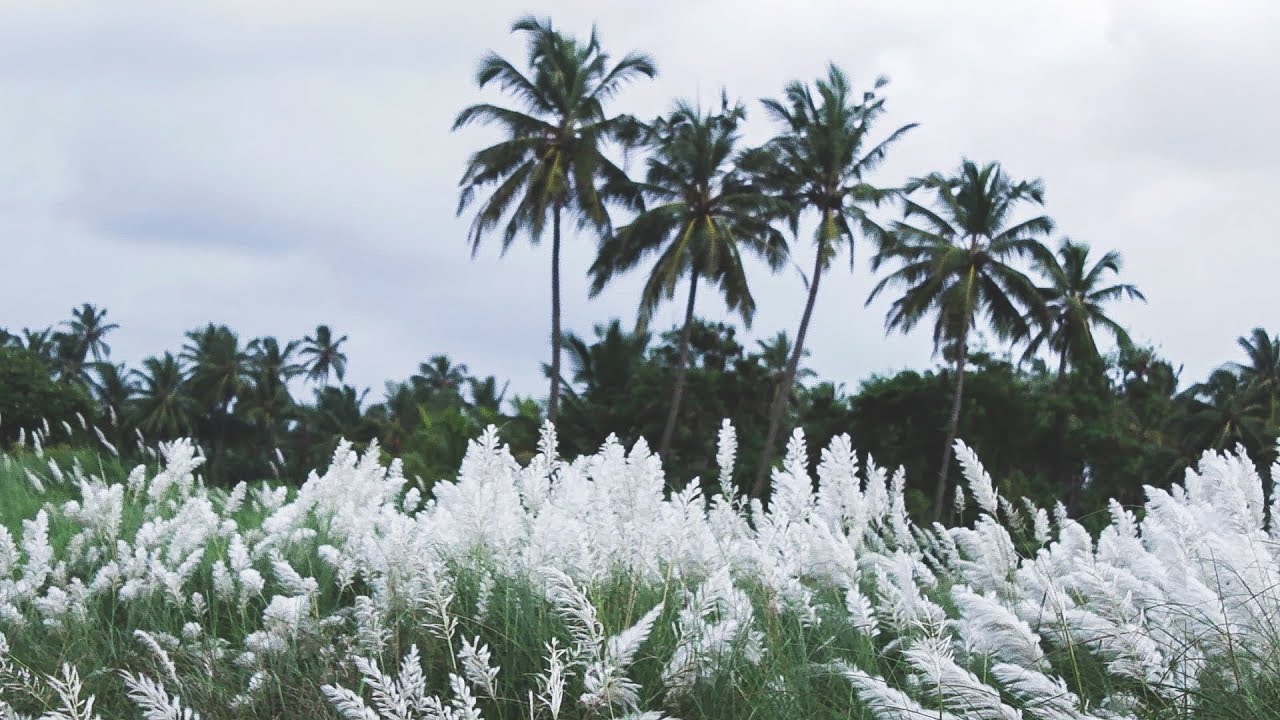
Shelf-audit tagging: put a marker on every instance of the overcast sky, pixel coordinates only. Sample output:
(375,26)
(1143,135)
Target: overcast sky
(274,165)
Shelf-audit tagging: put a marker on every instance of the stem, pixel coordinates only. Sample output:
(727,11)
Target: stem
(782,395)
(682,364)
(553,404)
(953,425)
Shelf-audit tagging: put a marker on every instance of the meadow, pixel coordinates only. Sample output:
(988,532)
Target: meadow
(584,588)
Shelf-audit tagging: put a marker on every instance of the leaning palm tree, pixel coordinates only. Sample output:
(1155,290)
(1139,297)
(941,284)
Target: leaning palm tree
(1261,374)
(1075,298)
(550,161)
(703,217)
(323,355)
(820,163)
(954,266)
(87,330)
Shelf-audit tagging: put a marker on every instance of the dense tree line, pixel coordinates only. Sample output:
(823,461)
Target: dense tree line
(1080,431)
(968,252)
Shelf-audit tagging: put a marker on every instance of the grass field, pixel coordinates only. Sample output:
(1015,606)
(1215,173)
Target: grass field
(575,588)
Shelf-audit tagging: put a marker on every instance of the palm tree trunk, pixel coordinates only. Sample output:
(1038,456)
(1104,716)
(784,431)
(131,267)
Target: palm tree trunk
(953,426)
(554,403)
(682,364)
(783,394)
(1060,475)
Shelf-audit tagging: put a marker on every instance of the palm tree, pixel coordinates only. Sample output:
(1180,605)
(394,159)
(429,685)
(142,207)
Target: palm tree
(1075,297)
(551,158)
(955,267)
(1224,412)
(41,343)
(439,379)
(324,355)
(114,389)
(266,398)
(1262,373)
(703,214)
(87,330)
(219,374)
(485,394)
(819,163)
(163,408)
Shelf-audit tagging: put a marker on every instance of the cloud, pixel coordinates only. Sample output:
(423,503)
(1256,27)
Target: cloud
(277,165)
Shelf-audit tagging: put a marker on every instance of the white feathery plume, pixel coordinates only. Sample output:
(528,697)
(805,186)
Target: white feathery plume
(980,484)
(959,690)
(154,701)
(477,668)
(726,456)
(888,703)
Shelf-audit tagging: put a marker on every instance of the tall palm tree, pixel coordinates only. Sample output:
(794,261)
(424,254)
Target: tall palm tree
(702,215)
(1262,373)
(323,355)
(550,160)
(163,408)
(1075,297)
(954,266)
(820,163)
(87,330)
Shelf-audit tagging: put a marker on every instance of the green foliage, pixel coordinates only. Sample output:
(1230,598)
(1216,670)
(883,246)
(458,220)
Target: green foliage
(30,397)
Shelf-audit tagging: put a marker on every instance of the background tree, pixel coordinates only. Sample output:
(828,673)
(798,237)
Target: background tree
(323,355)
(551,160)
(163,409)
(703,217)
(1261,374)
(955,268)
(819,163)
(87,330)
(1075,297)
(219,373)
(30,397)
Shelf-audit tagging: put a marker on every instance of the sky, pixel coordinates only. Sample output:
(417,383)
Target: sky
(272,166)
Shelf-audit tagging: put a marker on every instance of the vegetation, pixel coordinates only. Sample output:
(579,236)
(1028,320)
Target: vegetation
(576,588)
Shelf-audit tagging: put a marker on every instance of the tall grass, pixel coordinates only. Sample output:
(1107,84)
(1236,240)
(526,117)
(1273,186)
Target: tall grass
(275,603)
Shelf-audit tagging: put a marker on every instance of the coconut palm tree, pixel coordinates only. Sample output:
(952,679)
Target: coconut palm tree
(439,380)
(323,355)
(551,161)
(87,330)
(266,399)
(163,408)
(819,163)
(41,343)
(1261,374)
(953,266)
(114,388)
(1224,412)
(219,374)
(703,217)
(1075,297)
